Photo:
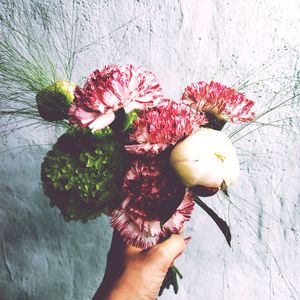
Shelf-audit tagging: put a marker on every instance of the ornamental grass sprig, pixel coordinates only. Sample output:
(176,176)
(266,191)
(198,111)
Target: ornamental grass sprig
(35,51)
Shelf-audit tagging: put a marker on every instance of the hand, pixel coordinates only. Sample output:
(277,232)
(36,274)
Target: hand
(135,274)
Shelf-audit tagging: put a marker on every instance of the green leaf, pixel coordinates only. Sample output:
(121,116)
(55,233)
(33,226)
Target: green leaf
(220,222)
(171,279)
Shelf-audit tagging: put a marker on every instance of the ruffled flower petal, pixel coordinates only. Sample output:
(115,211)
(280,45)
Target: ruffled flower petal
(217,99)
(113,88)
(84,117)
(102,121)
(130,231)
(151,194)
(158,127)
(182,214)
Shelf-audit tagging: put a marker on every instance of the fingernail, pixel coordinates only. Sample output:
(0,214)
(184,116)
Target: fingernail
(187,239)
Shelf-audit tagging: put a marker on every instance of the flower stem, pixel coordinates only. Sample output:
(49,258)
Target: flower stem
(171,279)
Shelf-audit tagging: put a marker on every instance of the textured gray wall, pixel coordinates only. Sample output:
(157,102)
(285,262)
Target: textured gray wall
(251,43)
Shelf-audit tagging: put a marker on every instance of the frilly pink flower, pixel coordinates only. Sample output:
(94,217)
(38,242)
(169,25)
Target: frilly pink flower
(152,196)
(110,89)
(223,102)
(158,127)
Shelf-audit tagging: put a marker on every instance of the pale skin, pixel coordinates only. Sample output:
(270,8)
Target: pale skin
(135,274)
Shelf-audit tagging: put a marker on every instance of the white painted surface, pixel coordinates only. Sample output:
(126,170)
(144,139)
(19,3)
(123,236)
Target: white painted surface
(43,257)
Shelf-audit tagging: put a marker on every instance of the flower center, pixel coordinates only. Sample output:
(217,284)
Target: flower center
(220,156)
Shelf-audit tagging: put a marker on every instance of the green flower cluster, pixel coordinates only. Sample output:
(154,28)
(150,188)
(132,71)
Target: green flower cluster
(82,174)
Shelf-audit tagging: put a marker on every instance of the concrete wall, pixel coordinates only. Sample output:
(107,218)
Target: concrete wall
(249,44)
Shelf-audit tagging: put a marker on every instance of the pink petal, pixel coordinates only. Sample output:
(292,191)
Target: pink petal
(159,127)
(112,88)
(182,214)
(222,101)
(102,121)
(131,232)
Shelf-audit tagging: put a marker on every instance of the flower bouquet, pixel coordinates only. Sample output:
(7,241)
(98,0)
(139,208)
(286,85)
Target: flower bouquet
(138,157)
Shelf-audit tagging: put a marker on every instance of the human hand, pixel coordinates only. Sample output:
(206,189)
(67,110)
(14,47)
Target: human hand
(136,274)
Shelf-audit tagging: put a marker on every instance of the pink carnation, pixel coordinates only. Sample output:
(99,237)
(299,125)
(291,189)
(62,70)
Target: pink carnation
(158,127)
(223,102)
(152,194)
(110,89)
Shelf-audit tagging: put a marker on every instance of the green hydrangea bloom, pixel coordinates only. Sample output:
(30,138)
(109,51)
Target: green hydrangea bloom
(82,174)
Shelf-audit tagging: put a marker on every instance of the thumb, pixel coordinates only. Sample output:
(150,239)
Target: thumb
(167,251)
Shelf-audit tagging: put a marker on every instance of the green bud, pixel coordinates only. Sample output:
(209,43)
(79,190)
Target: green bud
(54,101)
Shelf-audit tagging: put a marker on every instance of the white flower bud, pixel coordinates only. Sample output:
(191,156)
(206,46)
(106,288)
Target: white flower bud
(206,158)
